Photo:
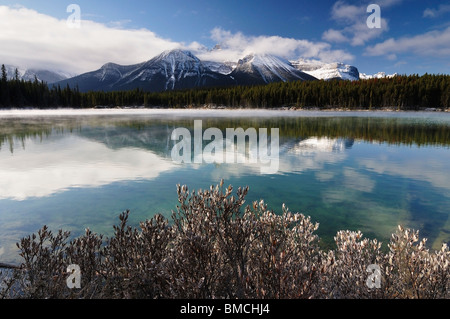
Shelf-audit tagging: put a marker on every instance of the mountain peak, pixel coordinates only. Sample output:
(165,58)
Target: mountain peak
(266,60)
(268,68)
(327,71)
(177,54)
(261,58)
(109,65)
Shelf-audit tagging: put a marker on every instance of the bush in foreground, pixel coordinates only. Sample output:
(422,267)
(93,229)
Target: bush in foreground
(216,248)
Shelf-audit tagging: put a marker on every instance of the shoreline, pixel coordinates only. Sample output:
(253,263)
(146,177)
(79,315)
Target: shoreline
(101,110)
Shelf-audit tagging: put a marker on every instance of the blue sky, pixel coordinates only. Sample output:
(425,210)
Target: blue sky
(414,36)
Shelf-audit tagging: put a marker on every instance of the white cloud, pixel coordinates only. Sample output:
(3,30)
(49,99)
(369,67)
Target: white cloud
(352,20)
(31,39)
(334,36)
(346,12)
(234,46)
(430,44)
(362,34)
(433,13)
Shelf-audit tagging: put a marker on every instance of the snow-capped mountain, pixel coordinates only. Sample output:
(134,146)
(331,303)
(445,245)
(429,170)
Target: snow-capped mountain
(327,71)
(379,75)
(176,69)
(180,69)
(335,70)
(265,68)
(41,75)
(103,79)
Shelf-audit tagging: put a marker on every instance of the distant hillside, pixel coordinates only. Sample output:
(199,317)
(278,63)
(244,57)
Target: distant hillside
(41,75)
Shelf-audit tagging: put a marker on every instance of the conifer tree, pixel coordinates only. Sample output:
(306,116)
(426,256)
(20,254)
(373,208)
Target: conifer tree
(4,74)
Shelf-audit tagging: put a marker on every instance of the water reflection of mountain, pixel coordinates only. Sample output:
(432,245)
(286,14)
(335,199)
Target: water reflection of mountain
(156,138)
(154,133)
(321,144)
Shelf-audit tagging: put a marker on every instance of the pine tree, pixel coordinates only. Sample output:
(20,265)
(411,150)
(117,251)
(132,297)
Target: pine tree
(4,74)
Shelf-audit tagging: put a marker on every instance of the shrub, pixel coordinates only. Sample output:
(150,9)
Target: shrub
(214,247)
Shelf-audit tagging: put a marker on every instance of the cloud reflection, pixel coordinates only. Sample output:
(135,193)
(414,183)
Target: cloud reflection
(417,164)
(57,164)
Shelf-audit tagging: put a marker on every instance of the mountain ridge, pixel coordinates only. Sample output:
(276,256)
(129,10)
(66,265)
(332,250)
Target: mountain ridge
(181,69)
(170,70)
(265,68)
(161,72)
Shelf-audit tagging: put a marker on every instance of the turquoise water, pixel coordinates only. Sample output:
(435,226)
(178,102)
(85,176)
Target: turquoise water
(359,171)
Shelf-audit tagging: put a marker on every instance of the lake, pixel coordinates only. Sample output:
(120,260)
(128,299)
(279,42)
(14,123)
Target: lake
(368,171)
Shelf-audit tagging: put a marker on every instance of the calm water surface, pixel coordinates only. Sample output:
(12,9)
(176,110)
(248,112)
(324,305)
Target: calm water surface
(358,171)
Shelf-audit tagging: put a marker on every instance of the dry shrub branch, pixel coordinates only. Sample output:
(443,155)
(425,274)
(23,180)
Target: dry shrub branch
(214,247)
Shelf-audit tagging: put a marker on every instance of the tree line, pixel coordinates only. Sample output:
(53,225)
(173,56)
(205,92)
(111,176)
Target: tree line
(403,92)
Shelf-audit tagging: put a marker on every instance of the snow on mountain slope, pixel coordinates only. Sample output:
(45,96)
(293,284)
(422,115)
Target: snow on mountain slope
(11,71)
(175,69)
(111,72)
(41,75)
(46,75)
(267,68)
(171,70)
(173,65)
(104,78)
(220,67)
(327,71)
